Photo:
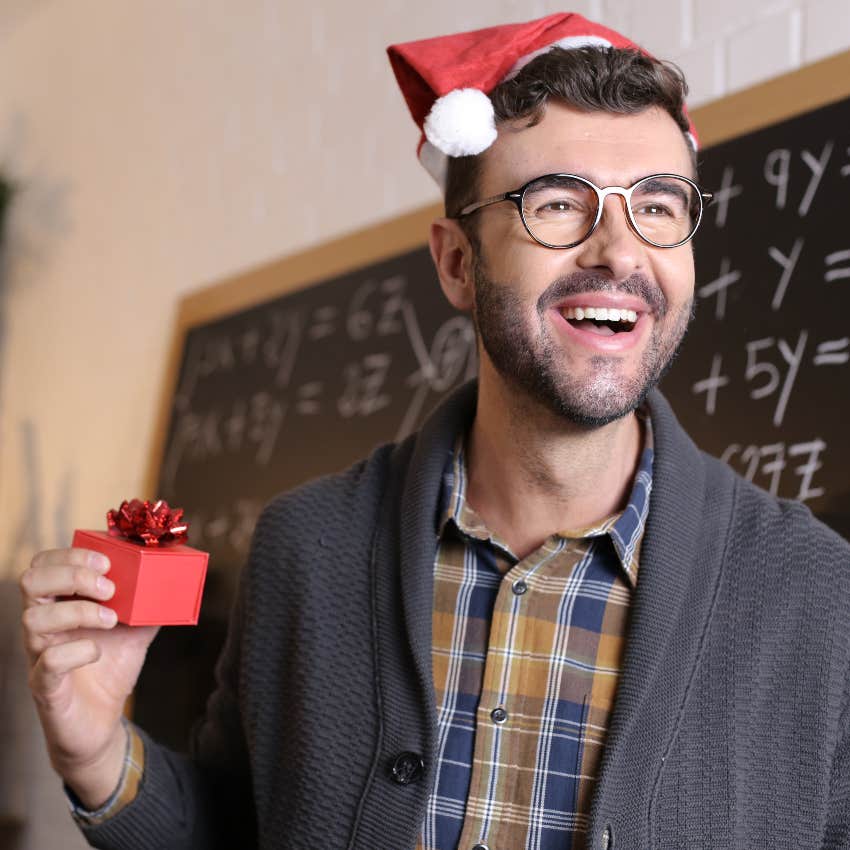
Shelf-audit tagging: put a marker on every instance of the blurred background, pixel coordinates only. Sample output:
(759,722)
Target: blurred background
(154,148)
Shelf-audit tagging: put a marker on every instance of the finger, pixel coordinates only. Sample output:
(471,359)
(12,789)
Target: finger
(71,556)
(35,644)
(41,583)
(75,556)
(60,622)
(56,662)
(64,616)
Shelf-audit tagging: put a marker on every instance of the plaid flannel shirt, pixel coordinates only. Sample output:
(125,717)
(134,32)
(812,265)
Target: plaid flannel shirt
(526,656)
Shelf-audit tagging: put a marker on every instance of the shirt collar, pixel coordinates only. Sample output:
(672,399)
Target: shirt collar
(624,528)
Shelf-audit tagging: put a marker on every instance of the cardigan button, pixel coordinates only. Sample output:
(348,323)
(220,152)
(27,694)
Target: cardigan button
(607,838)
(408,767)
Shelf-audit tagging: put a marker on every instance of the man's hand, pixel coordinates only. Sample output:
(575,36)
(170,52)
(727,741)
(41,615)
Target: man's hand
(82,667)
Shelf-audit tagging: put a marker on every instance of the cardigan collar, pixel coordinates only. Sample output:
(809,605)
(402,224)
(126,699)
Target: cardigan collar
(661,646)
(675,515)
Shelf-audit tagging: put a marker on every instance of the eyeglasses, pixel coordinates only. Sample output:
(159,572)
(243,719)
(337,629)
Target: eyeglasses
(562,210)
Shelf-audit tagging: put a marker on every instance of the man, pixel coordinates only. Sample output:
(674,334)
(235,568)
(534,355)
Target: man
(545,621)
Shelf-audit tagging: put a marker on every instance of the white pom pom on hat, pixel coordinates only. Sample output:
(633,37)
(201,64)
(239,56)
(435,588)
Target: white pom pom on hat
(461,123)
(446,81)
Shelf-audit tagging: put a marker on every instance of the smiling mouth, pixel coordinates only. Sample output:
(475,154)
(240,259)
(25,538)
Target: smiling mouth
(601,320)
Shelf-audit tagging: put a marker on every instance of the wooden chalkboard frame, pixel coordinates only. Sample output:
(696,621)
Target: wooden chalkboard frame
(786,96)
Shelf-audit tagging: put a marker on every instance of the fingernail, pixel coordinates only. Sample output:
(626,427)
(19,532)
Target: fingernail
(99,562)
(104,585)
(108,615)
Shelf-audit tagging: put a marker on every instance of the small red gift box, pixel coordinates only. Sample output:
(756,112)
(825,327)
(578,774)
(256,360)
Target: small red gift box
(154,585)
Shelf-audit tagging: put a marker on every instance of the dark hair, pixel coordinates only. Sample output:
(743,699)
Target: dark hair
(617,80)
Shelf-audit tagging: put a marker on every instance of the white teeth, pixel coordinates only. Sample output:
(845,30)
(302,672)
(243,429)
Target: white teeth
(600,314)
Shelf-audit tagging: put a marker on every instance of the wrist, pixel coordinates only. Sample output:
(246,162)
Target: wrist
(94,783)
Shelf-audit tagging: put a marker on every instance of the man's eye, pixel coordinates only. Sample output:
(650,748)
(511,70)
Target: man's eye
(654,210)
(558,207)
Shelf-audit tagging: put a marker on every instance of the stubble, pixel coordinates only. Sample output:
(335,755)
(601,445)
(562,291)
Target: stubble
(525,353)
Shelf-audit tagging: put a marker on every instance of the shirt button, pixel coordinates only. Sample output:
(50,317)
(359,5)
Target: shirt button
(499,715)
(407,768)
(519,587)
(480,847)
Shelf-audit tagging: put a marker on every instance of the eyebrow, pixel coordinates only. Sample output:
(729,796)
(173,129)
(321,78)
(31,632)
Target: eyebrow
(558,176)
(663,184)
(558,180)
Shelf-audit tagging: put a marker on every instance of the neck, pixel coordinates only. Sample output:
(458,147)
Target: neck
(533,474)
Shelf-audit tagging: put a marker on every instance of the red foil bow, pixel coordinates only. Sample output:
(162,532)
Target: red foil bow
(151,524)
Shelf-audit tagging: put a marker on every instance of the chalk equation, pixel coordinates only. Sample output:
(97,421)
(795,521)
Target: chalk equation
(766,465)
(771,367)
(231,522)
(763,380)
(836,267)
(244,389)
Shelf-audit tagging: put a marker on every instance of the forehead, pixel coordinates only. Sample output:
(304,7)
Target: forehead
(608,148)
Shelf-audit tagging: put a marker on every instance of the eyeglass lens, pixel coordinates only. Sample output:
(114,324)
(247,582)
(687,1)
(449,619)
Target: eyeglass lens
(560,210)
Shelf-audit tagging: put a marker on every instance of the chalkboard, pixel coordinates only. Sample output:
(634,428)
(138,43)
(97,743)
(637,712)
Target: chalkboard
(291,386)
(764,376)
(304,385)
(301,367)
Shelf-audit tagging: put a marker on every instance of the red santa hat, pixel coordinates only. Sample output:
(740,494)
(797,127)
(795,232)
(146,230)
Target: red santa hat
(446,81)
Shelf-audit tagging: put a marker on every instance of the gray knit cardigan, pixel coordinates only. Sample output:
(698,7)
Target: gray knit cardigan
(731,725)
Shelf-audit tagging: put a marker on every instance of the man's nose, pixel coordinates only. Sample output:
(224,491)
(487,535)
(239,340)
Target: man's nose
(613,246)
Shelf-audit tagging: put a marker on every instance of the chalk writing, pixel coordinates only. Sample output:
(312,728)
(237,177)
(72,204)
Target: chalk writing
(764,371)
(711,384)
(323,322)
(777,173)
(266,397)
(767,357)
(842,272)
(275,341)
(252,422)
(817,164)
(364,382)
(724,194)
(308,398)
(718,287)
(788,264)
(231,522)
(452,357)
(766,464)
(375,307)
(792,358)
(777,170)
(833,352)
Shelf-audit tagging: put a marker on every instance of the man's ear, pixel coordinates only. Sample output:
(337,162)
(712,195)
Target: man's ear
(453,257)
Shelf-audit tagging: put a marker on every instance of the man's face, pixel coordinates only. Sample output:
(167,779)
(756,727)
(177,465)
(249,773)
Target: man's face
(581,369)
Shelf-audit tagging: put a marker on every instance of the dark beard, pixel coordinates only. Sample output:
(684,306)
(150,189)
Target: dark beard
(530,362)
